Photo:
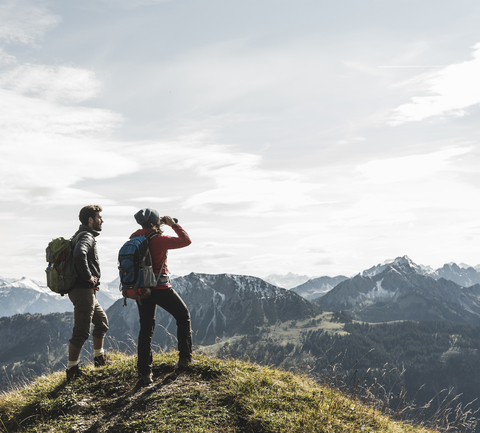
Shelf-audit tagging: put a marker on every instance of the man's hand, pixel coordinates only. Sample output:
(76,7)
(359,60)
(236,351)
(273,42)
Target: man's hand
(93,280)
(169,221)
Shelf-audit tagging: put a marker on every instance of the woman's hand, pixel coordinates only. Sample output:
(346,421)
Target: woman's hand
(168,221)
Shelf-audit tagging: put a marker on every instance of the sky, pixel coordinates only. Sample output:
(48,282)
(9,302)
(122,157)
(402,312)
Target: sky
(307,136)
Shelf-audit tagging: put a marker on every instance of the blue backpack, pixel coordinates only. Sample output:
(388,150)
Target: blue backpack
(137,278)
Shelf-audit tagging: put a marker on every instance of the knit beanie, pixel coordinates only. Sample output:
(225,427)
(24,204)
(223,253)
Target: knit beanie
(147,217)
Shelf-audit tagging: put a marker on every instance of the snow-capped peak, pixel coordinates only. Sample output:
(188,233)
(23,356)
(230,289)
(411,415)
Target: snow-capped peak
(399,261)
(26,283)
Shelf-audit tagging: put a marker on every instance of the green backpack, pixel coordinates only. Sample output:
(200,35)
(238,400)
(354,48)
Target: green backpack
(61,269)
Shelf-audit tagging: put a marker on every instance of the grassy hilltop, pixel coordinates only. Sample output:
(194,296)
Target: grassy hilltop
(212,395)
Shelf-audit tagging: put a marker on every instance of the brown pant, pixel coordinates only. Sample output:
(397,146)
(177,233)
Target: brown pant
(86,311)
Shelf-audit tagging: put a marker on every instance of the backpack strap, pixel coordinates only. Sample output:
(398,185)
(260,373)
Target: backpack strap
(150,236)
(74,238)
(161,269)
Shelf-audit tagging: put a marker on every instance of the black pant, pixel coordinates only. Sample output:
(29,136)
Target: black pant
(171,302)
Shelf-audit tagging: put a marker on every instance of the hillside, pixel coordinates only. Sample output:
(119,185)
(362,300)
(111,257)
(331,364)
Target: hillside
(430,362)
(31,345)
(211,396)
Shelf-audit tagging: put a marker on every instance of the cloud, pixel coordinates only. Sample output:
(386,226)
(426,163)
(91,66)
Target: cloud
(450,92)
(20,115)
(395,192)
(52,83)
(119,211)
(39,123)
(225,245)
(47,143)
(46,148)
(253,192)
(152,199)
(241,185)
(408,168)
(199,261)
(7,216)
(45,196)
(131,4)
(242,78)
(47,174)
(24,22)
(5,58)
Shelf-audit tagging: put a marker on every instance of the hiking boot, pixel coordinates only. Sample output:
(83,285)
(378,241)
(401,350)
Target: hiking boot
(147,379)
(73,373)
(100,361)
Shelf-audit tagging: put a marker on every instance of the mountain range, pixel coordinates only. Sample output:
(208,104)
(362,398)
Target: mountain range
(396,289)
(464,275)
(29,296)
(220,306)
(402,290)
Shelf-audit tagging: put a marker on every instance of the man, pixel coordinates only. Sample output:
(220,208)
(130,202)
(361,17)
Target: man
(87,310)
(163,295)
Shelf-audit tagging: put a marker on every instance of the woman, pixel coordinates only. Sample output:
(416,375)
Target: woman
(163,295)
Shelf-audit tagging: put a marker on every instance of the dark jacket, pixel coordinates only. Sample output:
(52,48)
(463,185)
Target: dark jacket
(85,256)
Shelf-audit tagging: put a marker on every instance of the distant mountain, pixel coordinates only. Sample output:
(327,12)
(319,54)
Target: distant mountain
(464,265)
(220,305)
(317,287)
(109,293)
(402,291)
(405,260)
(28,296)
(286,281)
(463,276)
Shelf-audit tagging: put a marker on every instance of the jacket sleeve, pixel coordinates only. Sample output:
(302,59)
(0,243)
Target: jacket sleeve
(83,245)
(171,243)
(160,244)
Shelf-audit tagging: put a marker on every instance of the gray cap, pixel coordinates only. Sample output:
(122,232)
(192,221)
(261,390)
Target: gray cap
(147,217)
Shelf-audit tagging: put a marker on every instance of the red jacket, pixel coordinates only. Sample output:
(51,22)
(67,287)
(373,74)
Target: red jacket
(160,244)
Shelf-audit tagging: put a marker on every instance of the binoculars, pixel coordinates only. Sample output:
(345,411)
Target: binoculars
(164,221)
